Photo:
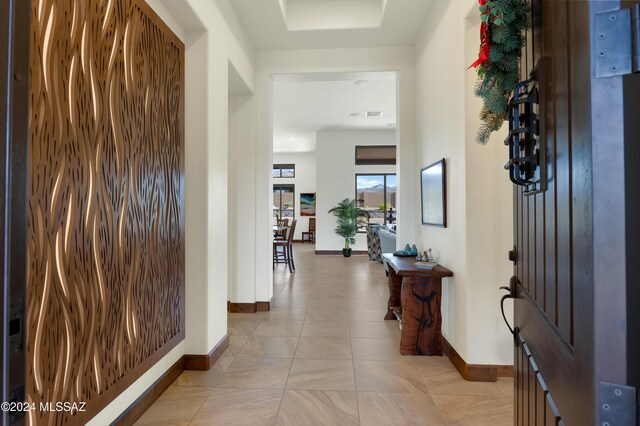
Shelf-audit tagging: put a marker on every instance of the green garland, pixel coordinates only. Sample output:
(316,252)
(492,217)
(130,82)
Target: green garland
(506,22)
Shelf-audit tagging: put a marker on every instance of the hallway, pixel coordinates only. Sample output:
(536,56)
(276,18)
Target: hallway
(323,355)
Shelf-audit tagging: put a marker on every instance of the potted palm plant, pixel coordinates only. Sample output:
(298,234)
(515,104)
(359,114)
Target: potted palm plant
(347,213)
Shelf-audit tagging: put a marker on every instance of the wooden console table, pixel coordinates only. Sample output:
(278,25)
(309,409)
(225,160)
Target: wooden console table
(419,293)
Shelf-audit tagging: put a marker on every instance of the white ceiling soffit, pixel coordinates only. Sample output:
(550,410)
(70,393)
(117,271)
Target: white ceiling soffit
(304,104)
(309,15)
(329,24)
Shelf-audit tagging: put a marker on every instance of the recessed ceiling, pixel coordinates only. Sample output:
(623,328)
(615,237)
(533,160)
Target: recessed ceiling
(307,103)
(327,24)
(304,15)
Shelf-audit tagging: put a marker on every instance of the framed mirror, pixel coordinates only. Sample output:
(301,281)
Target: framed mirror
(434,197)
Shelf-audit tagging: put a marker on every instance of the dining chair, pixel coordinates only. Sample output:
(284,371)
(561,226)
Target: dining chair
(281,233)
(286,255)
(311,233)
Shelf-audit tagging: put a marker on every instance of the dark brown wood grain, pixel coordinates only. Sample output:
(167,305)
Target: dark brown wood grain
(106,200)
(15,17)
(406,266)
(421,317)
(475,372)
(265,306)
(554,230)
(144,401)
(205,362)
(242,308)
(395,286)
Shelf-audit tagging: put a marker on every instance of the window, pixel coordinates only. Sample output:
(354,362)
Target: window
(375,155)
(284,170)
(284,201)
(376,195)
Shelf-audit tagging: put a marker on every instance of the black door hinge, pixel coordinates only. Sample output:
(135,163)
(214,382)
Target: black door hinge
(618,405)
(617,42)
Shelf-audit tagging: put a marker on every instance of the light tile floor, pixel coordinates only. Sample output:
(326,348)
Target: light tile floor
(324,356)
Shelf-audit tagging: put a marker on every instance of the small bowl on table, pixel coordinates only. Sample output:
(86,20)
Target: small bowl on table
(426,265)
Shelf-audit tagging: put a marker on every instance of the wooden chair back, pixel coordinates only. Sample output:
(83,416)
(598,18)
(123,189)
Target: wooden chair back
(283,223)
(292,230)
(312,224)
(282,228)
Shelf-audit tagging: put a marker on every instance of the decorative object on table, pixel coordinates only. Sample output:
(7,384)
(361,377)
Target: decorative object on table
(425,265)
(430,257)
(502,37)
(409,251)
(347,213)
(433,194)
(308,204)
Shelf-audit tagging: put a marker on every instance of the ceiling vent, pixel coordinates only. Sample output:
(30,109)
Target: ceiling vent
(374,114)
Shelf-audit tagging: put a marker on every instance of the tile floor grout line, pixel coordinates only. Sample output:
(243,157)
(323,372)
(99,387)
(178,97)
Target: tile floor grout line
(330,286)
(201,405)
(288,375)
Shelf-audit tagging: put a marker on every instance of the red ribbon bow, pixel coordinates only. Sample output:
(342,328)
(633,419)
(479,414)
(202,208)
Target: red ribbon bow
(485,47)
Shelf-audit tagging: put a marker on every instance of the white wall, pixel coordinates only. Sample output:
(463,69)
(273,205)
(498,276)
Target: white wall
(213,37)
(268,63)
(242,199)
(305,182)
(479,224)
(336,178)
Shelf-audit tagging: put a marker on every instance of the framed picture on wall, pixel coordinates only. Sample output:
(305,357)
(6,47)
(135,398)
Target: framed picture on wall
(434,197)
(308,204)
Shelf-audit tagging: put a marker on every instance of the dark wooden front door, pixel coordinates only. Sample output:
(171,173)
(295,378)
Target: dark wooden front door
(571,308)
(14,112)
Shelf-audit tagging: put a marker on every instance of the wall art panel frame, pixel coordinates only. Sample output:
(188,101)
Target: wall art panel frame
(106,254)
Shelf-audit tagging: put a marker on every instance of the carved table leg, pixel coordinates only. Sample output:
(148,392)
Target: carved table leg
(395,282)
(421,316)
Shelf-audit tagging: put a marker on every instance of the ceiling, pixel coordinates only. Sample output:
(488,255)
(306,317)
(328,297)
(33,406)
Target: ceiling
(307,103)
(327,24)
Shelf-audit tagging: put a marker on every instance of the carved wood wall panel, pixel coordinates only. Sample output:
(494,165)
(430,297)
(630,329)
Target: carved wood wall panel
(106,205)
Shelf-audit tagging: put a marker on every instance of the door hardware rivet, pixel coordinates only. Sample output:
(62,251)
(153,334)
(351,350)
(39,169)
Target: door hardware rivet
(602,54)
(618,392)
(606,424)
(612,18)
(614,68)
(601,36)
(606,407)
(18,76)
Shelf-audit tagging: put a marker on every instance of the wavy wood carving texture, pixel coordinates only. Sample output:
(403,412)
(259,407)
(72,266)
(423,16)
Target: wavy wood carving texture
(106,206)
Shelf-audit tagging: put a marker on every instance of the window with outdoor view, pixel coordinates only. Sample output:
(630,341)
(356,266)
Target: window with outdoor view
(284,201)
(376,196)
(284,170)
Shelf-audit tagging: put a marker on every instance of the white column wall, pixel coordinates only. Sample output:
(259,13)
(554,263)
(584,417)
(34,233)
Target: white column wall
(479,207)
(242,199)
